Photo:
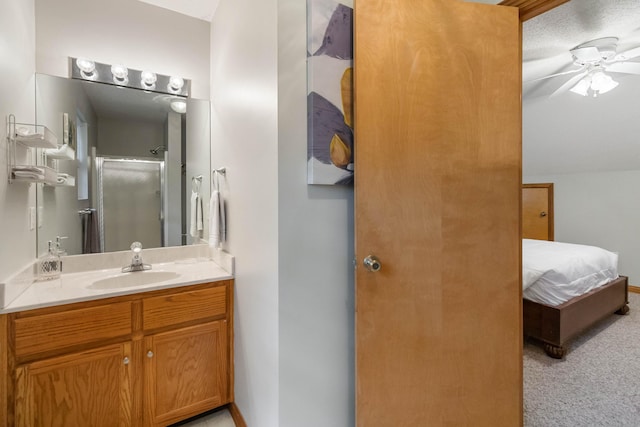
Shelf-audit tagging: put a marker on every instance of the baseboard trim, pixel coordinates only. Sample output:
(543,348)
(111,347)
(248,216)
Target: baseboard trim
(634,289)
(238,420)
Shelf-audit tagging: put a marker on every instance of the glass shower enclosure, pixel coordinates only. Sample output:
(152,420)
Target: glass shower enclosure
(130,202)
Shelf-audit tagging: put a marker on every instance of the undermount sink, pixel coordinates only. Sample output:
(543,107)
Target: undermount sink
(138,278)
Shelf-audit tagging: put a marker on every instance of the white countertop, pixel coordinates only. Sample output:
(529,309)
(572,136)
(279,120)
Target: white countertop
(81,286)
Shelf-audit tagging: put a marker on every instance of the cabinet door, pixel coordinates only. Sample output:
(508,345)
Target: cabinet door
(186,372)
(90,388)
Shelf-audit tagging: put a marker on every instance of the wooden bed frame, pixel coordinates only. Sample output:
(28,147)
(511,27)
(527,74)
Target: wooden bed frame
(555,325)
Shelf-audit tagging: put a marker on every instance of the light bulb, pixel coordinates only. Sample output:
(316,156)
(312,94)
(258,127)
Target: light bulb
(582,87)
(179,106)
(148,79)
(602,83)
(175,84)
(87,67)
(120,74)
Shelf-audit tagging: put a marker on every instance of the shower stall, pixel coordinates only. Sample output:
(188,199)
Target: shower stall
(130,196)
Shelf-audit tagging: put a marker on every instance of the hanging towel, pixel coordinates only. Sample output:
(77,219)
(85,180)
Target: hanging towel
(27,175)
(199,212)
(217,221)
(223,220)
(90,233)
(193,226)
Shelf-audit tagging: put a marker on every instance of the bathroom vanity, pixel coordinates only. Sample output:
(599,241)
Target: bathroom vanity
(150,355)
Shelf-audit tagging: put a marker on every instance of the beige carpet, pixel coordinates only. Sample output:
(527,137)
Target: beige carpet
(596,384)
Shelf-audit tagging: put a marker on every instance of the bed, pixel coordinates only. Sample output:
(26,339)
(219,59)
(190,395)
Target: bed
(566,288)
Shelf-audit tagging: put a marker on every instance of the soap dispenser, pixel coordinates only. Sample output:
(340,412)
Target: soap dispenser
(50,265)
(59,251)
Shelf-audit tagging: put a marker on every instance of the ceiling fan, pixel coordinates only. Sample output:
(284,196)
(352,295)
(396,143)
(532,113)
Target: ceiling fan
(595,59)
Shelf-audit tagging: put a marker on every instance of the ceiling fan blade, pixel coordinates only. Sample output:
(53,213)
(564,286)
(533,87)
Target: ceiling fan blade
(555,75)
(628,54)
(569,84)
(587,54)
(624,67)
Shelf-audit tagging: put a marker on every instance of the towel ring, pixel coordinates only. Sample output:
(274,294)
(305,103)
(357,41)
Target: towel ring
(196,181)
(216,183)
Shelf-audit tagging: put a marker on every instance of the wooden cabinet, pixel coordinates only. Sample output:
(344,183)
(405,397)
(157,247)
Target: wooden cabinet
(91,388)
(148,359)
(185,372)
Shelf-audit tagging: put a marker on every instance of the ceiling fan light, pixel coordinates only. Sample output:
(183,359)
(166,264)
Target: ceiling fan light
(582,87)
(602,83)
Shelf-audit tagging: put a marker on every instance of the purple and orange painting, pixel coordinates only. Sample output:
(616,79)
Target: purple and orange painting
(329,92)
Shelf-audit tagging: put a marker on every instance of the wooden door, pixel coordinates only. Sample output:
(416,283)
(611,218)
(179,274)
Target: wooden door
(437,193)
(537,211)
(186,372)
(91,388)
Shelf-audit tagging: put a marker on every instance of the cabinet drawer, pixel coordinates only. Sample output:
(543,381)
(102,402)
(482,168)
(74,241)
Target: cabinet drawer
(60,330)
(162,311)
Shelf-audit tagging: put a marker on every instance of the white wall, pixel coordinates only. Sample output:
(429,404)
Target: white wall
(599,209)
(316,284)
(588,147)
(17,67)
(136,34)
(293,242)
(122,137)
(198,159)
(244,135)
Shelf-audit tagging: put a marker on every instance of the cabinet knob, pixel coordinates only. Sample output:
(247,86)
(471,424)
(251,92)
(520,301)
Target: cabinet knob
(150,354)
(126,361)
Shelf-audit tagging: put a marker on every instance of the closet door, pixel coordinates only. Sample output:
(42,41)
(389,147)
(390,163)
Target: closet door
(438,175)
(537,211)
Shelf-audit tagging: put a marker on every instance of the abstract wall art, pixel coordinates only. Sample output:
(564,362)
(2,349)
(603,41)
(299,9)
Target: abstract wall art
(330,141)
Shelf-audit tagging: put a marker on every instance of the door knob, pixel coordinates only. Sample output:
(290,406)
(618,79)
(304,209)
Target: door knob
(372,263)
(150,354)
(543,214)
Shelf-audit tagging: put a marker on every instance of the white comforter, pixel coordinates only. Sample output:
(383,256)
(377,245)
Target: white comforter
(553,272)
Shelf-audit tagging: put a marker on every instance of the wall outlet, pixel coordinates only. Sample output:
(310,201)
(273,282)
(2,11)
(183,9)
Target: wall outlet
(40,216)
(32,218)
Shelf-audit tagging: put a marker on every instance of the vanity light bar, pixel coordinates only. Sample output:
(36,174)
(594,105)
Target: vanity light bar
(119,75)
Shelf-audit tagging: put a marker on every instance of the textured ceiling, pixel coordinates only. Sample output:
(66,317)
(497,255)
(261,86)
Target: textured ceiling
(548,38)
(571,133)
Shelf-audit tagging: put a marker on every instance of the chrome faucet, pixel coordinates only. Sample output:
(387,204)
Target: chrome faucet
(136,261)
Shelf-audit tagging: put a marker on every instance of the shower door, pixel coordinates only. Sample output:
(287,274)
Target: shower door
(130,203)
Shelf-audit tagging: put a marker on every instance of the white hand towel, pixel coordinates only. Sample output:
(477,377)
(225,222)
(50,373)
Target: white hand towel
(199,212)
(223,220)
(28,168)
(193,229)
(27,174)
(214,219)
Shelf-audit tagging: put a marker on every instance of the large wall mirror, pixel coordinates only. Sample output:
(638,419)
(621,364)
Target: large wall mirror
(135,162)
